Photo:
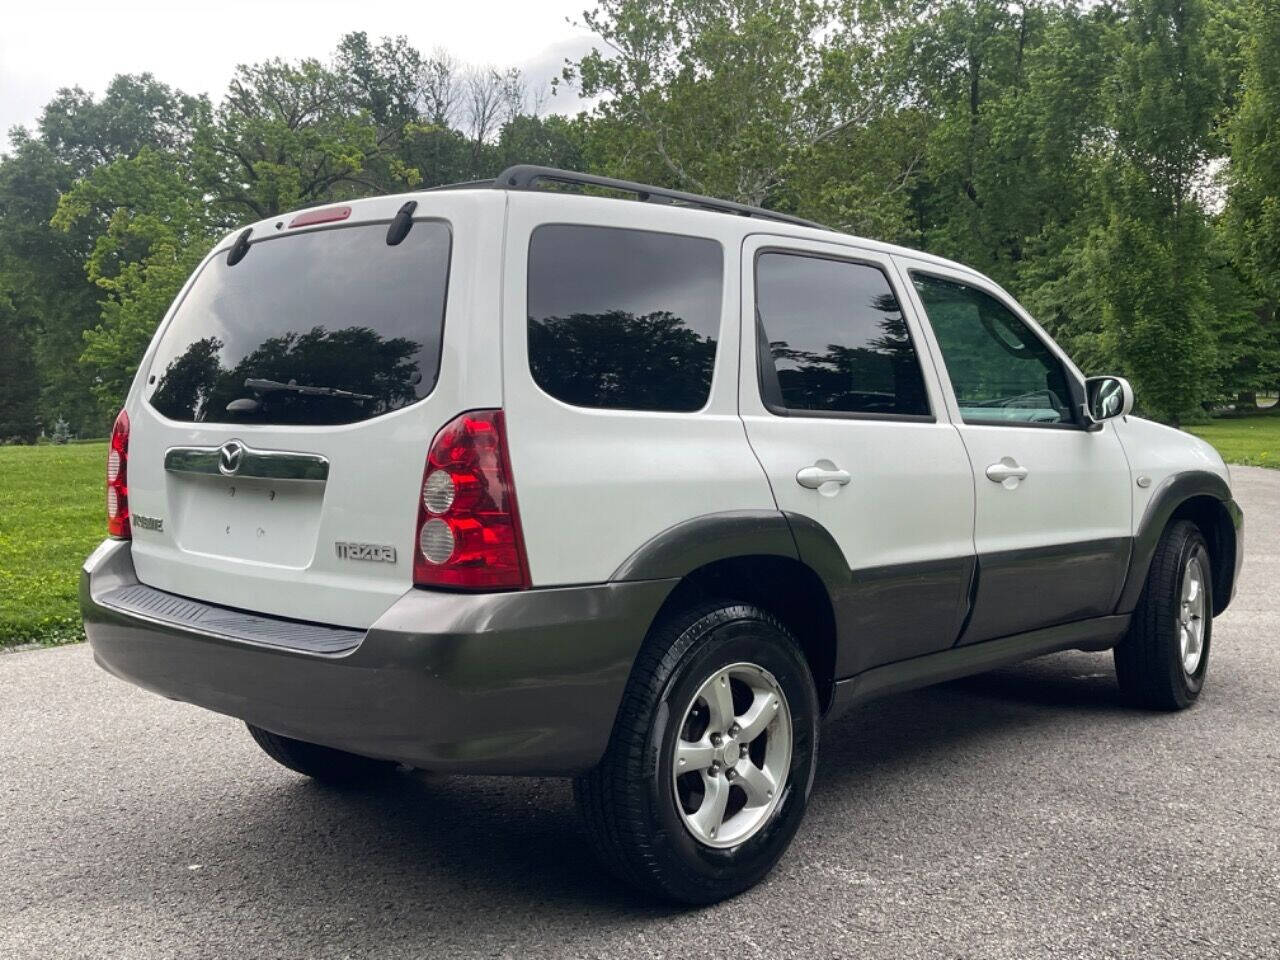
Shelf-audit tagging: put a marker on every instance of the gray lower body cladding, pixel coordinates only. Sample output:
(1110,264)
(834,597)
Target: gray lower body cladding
(525,682)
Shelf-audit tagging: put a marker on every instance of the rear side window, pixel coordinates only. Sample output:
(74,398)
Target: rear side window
(833,339)
(623,319)
(324,327)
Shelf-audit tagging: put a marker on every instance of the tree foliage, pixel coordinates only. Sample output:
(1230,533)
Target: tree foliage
(1116,165)
(1253,213)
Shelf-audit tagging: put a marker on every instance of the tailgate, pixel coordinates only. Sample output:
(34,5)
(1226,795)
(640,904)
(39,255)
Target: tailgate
(278,439)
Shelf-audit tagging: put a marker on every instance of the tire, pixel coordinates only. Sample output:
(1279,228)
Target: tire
(1153,662)
(325,764)
(643,817)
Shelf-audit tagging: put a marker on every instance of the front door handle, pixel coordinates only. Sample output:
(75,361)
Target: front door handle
(1007,472)
(820,474)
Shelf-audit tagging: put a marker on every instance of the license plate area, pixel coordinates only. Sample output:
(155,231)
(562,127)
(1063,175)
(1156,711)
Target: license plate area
(249,519)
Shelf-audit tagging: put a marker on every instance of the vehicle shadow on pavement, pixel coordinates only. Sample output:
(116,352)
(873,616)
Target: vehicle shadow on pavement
(1038,698)
(454,842)
(457,843)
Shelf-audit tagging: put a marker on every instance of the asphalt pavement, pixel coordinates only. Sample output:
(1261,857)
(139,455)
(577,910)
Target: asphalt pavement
(1023,813)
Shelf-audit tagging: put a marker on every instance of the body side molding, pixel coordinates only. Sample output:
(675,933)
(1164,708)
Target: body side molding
(1173,492)
(1099,633)
(1037,587)
(886,613)
(881,614)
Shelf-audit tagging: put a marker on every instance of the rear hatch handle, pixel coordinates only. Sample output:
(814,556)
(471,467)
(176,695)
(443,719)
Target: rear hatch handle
(237,459)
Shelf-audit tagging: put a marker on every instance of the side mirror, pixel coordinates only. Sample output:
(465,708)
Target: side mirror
(1108,398)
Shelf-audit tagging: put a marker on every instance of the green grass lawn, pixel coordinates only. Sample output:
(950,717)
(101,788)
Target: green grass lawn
(1252,440)
(52,515)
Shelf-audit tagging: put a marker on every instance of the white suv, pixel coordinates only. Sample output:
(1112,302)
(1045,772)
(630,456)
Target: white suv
(514,480)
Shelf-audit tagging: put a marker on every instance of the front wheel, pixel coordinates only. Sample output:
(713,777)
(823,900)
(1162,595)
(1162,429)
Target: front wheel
(708,772)
(1162,661)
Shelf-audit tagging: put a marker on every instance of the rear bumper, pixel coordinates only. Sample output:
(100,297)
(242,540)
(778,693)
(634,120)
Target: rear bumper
(510,683)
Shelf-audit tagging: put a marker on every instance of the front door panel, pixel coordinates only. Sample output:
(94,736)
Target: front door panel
(1054,514)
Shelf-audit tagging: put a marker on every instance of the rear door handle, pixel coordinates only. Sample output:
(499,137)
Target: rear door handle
(820,474)
(1007,472)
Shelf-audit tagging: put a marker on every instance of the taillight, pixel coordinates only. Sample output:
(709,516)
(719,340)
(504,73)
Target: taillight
(118,480)
(468,533)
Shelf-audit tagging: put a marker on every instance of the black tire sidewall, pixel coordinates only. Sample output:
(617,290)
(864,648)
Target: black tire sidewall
(712,873)
(1191,684)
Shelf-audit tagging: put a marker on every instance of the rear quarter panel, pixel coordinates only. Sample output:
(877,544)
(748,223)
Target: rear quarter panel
(594,485)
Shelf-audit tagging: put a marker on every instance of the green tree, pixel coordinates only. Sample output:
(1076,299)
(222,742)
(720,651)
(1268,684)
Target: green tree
(156,228)
(1150,262)
(42,268)
(43,287)
(136,111)
(287,135)
(19,382)
(733,97)
(1253,209)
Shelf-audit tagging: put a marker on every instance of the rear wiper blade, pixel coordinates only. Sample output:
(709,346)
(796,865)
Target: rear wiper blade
(293,386)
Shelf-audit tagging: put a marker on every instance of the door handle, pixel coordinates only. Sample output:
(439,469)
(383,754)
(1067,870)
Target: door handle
(1007,472)
(820,474)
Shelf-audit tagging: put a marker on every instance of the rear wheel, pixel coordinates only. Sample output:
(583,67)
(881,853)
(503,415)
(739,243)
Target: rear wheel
(1162,661)
(320,763)
(707,775)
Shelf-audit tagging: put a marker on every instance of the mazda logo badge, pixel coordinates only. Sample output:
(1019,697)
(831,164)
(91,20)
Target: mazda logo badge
(229,457)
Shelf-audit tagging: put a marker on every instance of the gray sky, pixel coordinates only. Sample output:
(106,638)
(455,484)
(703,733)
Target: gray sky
(63,43)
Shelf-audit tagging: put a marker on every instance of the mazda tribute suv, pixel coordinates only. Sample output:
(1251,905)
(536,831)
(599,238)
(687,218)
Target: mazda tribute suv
(504,479)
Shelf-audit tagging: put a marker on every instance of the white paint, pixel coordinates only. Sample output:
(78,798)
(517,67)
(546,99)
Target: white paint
(910,495)
(1077,485)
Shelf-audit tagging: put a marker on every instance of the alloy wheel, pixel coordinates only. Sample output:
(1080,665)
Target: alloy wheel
(732,755)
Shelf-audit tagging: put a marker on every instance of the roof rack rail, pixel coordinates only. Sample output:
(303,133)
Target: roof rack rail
(527,176)
(460,185)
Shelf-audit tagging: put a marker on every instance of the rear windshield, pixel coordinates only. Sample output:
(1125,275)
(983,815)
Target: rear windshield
(326,327)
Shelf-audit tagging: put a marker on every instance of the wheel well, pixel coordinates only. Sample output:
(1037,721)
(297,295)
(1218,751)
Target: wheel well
(1209,514)
(784,587)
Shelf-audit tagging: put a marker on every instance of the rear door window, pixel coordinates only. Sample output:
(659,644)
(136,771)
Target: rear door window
(623,319)
(833,340)
(324,327)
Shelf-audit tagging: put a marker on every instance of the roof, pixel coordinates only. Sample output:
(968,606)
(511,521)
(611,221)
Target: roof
(530,178)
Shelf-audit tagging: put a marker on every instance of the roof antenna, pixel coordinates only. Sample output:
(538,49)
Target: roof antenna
(239,248)
(402,223)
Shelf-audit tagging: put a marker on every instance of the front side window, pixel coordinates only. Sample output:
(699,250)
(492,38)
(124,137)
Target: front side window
(323,327)
(833,339)
(623,319)
(1000,370)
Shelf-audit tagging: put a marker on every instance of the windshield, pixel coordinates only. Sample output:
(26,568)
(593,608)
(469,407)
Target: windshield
(337,309)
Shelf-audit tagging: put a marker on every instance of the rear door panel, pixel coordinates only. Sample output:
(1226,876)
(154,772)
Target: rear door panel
(904,522)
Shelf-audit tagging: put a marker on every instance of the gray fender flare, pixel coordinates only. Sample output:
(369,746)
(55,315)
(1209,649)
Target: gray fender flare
(1174,491)
(690,544)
